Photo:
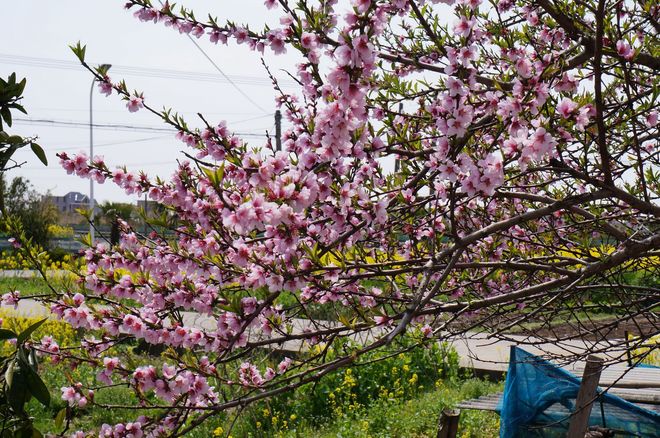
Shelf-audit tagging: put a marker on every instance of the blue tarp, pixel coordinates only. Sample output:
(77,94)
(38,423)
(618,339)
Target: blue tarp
(539,398)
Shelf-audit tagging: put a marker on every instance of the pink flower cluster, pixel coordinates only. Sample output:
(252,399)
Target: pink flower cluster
(11,298)
(174,382)
(76,396)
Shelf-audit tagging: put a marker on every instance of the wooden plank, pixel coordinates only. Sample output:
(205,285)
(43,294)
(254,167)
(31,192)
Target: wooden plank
(649,400)
(624,377)
(585,398)
(637,395)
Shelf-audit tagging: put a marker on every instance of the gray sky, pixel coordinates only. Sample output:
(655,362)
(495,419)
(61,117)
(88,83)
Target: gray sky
(35,36)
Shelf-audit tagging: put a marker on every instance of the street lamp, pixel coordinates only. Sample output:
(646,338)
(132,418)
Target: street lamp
(104,67)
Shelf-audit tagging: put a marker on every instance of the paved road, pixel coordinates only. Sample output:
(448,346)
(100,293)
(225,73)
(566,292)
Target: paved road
(27,273)
(476,350)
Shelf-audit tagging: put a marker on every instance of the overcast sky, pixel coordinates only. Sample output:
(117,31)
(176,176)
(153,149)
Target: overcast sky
(35,36)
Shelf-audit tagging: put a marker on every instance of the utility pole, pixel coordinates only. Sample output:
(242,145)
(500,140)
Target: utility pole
(92,203)
(91,157)
(278,130)
(397,163)
(146,210)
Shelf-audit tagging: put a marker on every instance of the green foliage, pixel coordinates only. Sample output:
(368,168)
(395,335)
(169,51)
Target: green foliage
(377,377)
(11,93)
(57,416)
(112,210)
(60,231)
(54,259)
(27,286)
(13,322)
(79,51)
(19,382)
(34,211)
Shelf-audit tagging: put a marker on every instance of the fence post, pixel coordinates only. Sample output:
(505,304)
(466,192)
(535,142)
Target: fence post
(585,398)
(448,427)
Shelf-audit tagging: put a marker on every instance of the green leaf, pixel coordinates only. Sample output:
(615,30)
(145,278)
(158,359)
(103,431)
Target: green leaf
(87,238)
(39,152)
(9,374)
(37,386)
(59,418)
(20,108)
(25,335)
(15,139)
(17,395)
(6,115)
(21,86)
(103,69)
(79,51)
(7,334)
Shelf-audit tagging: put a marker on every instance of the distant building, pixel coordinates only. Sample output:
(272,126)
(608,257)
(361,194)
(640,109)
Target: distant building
(149,206)
(72,201)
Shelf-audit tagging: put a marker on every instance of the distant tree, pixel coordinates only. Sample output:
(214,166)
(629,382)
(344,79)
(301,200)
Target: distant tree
(112,212)
(34,210)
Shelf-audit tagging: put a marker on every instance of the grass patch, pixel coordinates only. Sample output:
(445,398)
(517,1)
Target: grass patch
(27,286)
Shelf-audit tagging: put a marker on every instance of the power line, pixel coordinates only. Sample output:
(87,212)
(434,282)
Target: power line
(113,126)
(141,164)
(143,71)
(80,110)
(236,87)
(123,111)
(117,143)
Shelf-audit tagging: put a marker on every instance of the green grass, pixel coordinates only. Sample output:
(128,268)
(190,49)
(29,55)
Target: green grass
(35,285)
(27,286)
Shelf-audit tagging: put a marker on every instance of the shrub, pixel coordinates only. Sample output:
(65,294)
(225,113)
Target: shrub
(60,331)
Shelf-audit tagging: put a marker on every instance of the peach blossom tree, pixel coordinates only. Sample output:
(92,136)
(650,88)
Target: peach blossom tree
(449,167)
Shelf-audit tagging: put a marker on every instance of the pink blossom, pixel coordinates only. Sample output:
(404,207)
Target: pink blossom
(361,5)
(427,331)
(308,40)
(249,375)
(624,50)
(284,365)
(344,55)
(524,67)
(134,103)
(566,107)
(105,87)
(197,31)
(11,299)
